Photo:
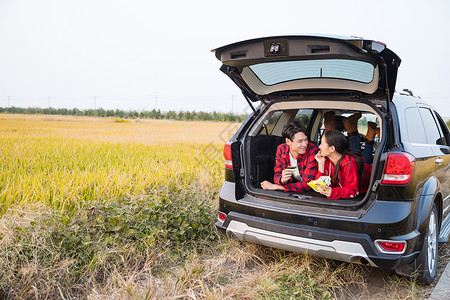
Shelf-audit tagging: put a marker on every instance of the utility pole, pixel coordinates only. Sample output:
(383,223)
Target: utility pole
(9,102)
(156,103)
(232,103)
(48,101)
(95,102)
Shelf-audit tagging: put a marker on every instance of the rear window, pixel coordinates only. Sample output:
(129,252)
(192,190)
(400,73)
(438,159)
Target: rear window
(270,124)
(278,72)
(304,116)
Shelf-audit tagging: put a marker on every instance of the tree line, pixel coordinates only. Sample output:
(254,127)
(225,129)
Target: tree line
(132,114)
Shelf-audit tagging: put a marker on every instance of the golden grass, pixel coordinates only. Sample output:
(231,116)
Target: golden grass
(65,161)
(142,131)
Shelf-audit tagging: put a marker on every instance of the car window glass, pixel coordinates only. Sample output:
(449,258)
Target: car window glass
(433,135)
(443,129)
(304,116)
(362,122)
(271,122)
(276,72)
(416,132)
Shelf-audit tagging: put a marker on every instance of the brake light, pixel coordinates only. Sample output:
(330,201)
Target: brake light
(227,156)
(395,247)
(399,168)
(222,217)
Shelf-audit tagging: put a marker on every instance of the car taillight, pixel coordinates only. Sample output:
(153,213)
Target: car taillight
(227,156)
(395,247)
(222,217)
(399,168)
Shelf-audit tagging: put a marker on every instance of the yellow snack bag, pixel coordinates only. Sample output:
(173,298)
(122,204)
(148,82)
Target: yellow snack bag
(320,182)
(316,184)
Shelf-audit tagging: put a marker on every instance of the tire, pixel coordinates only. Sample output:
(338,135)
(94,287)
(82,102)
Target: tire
(426,262)
(425,265)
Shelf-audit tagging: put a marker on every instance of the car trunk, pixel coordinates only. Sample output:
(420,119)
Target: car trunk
(258,151)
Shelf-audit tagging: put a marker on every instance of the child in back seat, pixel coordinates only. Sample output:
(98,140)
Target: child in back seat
(354,140)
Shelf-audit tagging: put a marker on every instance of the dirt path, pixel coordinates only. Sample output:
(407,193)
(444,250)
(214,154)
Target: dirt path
(443,260)
(385,284)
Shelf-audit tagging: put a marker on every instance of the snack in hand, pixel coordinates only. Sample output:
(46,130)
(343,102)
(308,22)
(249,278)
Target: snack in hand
(320,183)
(294,170)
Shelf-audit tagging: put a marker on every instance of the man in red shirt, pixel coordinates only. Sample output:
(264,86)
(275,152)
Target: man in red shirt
(295,163)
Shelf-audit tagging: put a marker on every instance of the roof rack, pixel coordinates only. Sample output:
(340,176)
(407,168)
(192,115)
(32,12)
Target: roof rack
(407,92)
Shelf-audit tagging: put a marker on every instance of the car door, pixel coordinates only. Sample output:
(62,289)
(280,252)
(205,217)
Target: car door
(439,139)
(443,171)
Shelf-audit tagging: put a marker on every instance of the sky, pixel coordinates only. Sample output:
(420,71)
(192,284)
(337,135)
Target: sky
(142,55)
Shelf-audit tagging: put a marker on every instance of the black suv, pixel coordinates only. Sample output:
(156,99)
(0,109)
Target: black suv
(398,223)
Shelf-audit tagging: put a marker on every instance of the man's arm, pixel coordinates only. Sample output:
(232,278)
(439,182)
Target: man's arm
(279,165)
(266,185)
(307,174)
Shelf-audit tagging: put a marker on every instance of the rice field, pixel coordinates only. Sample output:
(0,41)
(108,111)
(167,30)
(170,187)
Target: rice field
(100,208)
(67,161)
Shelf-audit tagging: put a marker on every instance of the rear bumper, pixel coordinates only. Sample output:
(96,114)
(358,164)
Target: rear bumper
(328,243)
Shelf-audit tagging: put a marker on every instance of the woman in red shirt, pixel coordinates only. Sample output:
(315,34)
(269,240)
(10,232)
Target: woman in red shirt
(349,174)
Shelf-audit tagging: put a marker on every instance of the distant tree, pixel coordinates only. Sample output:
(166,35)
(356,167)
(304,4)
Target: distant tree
(172,115)
(153,114)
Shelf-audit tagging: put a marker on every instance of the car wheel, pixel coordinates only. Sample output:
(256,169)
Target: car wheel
(427,260)
(425,265)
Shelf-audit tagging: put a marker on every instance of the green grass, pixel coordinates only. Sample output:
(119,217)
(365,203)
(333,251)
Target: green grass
(77,210)
(56,254)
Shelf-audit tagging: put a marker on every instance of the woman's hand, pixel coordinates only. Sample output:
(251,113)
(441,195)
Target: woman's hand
(320,162)
(325,190)
(286,175)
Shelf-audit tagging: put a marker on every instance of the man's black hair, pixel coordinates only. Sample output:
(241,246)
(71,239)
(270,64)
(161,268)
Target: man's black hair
(292,128)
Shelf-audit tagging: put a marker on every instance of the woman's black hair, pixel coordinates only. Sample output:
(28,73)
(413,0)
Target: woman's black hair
(292,128)
(339,141)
